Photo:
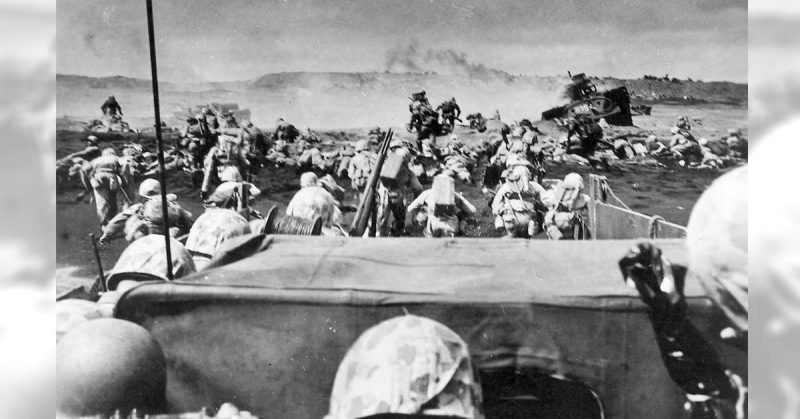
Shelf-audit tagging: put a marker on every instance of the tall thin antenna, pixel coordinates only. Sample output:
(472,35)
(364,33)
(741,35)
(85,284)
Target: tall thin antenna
(162,170)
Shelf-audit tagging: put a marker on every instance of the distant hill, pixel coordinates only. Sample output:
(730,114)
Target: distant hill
(339,100)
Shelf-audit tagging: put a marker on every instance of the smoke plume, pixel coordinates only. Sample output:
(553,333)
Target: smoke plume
(415,59)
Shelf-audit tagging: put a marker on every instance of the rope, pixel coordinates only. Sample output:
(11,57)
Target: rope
(609,192)
(652,226)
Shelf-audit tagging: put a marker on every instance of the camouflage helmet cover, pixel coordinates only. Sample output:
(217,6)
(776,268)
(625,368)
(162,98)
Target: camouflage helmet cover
(214,227)
(147,256)
(149,188)
(406,365)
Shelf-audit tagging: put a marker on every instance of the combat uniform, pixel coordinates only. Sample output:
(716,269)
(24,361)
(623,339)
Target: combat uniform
(450,112)
(442,225)
(568,208)
(226,153)
(515,205)
(285,131)
(111,110)
(313,201)
(360,168)
(105,181)
(392,202)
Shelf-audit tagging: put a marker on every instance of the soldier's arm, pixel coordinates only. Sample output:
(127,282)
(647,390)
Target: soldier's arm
(458,110)
(413,183)
(418,203)
(499,200)
(116,226)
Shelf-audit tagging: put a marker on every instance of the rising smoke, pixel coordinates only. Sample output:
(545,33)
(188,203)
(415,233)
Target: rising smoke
(415,59)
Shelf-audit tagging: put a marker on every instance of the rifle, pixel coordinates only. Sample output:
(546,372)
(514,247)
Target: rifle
(101,280)
(368,198)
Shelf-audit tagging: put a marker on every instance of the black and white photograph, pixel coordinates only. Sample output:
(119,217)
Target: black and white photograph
(421,208)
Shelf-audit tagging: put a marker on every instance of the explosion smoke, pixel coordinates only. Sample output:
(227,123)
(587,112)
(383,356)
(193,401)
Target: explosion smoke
(412,58)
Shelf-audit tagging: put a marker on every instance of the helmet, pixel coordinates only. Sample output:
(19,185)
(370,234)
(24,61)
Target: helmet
(308,179)
(145,259)
(733,131)
(112,98)
(716,241)
(214,227)
(153,215)
(362,145)
(703,141)
(149,188)
(674,130)
(204,110)
(109,152)
(230,174)
(396,143)
(91,139)
(651,138)
(406,365)
(132,373)
(517,160)
(573,181)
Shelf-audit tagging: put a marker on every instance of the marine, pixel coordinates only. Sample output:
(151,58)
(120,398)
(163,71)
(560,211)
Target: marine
(312,201)
(442,210)
(395,189)
(105,181)
(450,112)
(111,110)
(132,222)
(568,209)
(285,131)
(519,201)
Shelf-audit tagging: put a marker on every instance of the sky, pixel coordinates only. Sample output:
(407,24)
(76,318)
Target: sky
(209,40)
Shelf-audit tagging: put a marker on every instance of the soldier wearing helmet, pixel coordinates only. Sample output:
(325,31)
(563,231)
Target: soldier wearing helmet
(227,152)
(210,118)
(255,147)
(103,174)
(450,112)
(442,210)
(398,186)
(131,222)
(683,123)
(285,131)
(568,209)
(360,166)
(313,201)
(519,200)
(683,145)
(78,163)
(407,365)
(230,194)
(211,230)
(111,110)
(145,260)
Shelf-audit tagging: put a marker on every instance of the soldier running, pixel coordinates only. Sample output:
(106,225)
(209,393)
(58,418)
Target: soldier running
(450,112)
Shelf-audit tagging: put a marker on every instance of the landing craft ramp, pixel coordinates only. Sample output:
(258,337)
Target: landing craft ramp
(268,332)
